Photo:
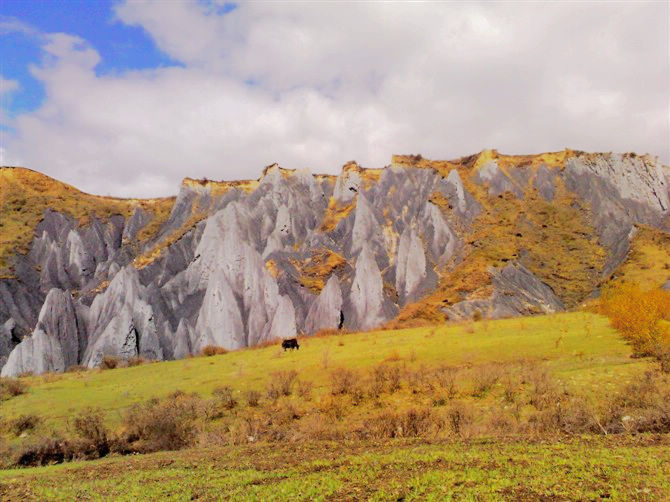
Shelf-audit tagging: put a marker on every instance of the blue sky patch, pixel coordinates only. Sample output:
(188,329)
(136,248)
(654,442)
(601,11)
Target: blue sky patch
(121,47)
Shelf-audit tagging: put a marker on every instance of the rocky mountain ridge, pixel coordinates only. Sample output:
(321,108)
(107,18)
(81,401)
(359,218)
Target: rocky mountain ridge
(234,264)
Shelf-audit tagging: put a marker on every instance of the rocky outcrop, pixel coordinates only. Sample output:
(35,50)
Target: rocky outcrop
(326,311)
(239,263)
(516,292)
(621,190)
(55,344)
(544,182)
(497,182)
(7,340)
(120,322)
(368,305)
(410,265)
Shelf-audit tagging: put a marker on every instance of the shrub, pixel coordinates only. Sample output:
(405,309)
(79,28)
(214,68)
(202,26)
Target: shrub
(281,384)
(662,354)
(252,397)
(445,376)
(224,397)
(511,386)
(385,378)
(305,389)
(43,451)
(245,428)
(384,424)
(419,380)
(325,358)
(420,422)
(213,350)
(76,368)
(641,406)
(109,362)
(11,387)
(5,454)
(638,315)
(459,416)
(566,414)
(342,381)
(136,361)
(24,423)
(285,413)
(469,327)
(544,390)
(89,425)
(333,406)
(501,421)
(317,426)
(168,424)
(484,377)
(50,377)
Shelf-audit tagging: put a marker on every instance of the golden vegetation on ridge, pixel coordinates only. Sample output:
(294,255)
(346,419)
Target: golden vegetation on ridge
(25,194)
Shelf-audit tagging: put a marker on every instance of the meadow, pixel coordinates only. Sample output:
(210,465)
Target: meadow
(579,469)
(580,348)
(517,409)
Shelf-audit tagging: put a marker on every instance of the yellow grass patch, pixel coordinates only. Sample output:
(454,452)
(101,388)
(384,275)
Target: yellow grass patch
(335,213)
(648,262)
(318,268)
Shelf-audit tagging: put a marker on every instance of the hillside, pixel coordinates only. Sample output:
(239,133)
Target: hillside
(26,194)
(489,457)
(579,347)
(239,263)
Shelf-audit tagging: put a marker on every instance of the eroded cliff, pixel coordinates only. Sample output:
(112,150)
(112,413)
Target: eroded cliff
(238,263)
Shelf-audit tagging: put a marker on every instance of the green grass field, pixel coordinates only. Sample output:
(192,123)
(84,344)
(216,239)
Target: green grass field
(579,349)
(580,469)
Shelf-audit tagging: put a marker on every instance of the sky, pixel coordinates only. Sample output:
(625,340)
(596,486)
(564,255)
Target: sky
(127,98)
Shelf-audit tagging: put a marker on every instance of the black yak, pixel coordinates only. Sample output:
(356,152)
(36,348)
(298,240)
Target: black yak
(290,343)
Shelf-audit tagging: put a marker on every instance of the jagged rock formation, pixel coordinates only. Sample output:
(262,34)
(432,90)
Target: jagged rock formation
(237,263)
(516,291)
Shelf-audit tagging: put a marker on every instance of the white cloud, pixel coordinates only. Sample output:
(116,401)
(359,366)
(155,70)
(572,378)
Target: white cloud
(7,86)
(315,85)
(11,25)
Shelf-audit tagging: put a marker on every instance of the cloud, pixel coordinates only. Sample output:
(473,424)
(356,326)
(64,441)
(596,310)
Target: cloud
(7,86)
(315,85)
(11,25)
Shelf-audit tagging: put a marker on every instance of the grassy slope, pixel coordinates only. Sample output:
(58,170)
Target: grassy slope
(579,347)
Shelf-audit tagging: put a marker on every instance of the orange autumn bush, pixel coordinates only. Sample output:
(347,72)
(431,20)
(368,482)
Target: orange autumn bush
(640,316)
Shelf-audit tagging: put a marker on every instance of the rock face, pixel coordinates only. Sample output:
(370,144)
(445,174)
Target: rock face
(516,291)
(55,344)
(241,263)
(622,191)
(326,311)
